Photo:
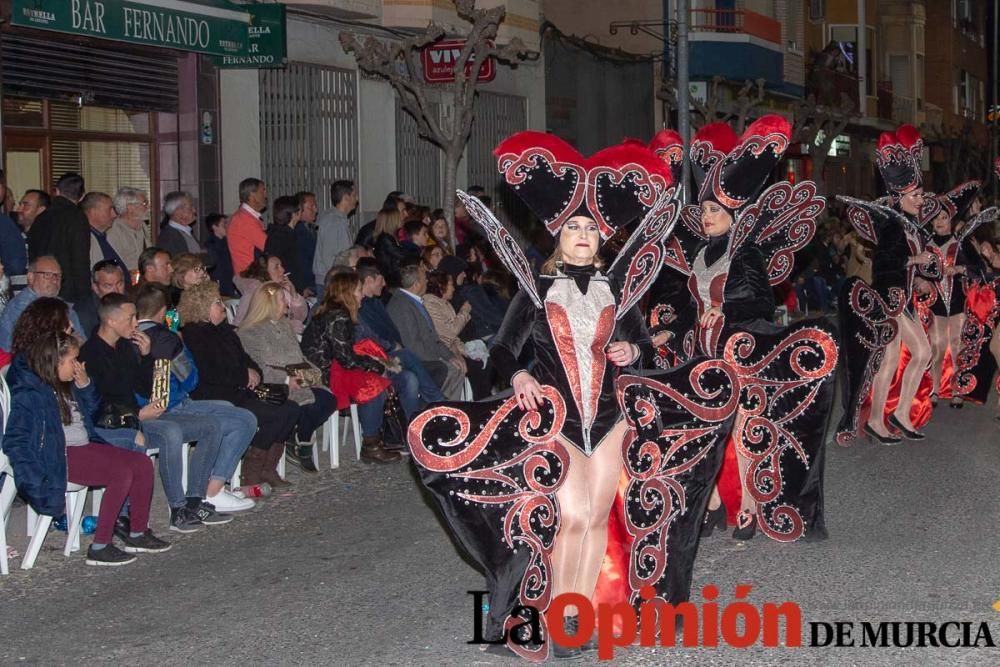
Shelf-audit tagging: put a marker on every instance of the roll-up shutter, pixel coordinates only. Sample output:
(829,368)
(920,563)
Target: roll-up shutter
(65,69)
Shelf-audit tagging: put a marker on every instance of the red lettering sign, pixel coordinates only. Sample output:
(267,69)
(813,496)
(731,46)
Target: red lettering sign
(439,62)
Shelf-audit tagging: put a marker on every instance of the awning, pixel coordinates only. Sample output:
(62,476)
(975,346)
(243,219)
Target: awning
(237,35)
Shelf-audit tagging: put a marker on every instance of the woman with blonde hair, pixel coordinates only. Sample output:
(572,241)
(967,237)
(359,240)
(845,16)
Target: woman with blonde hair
(228,373)
(268,337)
(388,251)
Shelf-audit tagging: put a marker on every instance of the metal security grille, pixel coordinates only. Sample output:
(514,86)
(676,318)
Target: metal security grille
(497,117)
(308,128)
(418,161)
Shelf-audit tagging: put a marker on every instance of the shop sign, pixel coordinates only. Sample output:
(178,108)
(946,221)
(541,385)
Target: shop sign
(211,27)
(439,60)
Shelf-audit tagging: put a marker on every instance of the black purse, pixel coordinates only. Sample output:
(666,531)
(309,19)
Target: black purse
(273,393)
(394,421)
(117,416)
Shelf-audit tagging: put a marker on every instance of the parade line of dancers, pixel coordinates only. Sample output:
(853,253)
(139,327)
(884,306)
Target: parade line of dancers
(661,402)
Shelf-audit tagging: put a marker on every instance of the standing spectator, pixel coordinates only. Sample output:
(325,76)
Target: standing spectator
(270,269)
(7,200)
(268,338)
(221,261)
(388,251)
(33,203)
(63,232)
(129,236)
(13,253)
(394,201)
(55,403)
(176,234)
(44,279)
(440,232)
(333,233)
(281,241)
(246,235)
(106,278)
(305,237)
(100,214)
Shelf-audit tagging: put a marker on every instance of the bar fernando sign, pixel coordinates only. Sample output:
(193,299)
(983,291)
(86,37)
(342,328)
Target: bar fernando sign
(254,35)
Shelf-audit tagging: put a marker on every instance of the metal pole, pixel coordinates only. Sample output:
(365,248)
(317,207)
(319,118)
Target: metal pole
(683,89)
(993,122)
(862,59)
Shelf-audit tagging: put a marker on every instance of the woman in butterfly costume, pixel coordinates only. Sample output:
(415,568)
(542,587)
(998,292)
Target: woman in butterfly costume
(880,321)
(734,247)
(527,484)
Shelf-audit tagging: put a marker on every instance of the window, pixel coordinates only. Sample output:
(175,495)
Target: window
(969,96)
(817,10)
(847,36)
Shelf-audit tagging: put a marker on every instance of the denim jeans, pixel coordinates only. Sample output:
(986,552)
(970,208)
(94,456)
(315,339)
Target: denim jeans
(429,390)
(407,388)
(315,414)
(168,437)
(235,428)
(370,415)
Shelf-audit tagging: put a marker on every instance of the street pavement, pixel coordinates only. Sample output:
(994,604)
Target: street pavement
(352,567)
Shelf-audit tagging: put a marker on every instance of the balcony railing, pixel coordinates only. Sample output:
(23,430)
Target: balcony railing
(741,21)
(903,109)
(830,85)
(885,100)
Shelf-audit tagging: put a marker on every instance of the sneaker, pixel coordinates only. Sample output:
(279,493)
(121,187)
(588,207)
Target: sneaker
(224,501)
(183,520)
(110,556)
(207,515)
(122,528)
(147,543)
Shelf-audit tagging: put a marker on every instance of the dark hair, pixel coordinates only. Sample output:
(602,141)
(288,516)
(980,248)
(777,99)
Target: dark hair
(148,256)
(282,210)
(437,283)
(392,200)
(42,315)
(476,190)
(71,186)
(111,304)
(248,186)
(150,298)
(473,271)
(412,228)
(339,190)
(301,196)
(43,197)
(215,219)
(43,356)
(105,266)
(499,281)
(438,214)
(367,267)
(486,199)
(257,269)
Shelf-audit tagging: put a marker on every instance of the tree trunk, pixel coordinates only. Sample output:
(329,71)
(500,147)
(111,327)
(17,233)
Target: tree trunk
(451,159)
(819,163)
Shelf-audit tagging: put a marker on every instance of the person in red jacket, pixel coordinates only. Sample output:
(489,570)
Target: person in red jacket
(246,235)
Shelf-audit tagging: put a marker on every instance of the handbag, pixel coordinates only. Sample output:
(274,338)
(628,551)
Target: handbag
(273,393)
(307,374)
(115,416)
(393,421)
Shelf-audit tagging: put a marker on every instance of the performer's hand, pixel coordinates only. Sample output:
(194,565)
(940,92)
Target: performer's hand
(527,391)
(710,316)
(622,353)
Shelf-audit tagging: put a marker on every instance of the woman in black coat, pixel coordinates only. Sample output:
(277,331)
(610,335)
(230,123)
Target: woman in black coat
(388,251)
(281,241)
(227,373)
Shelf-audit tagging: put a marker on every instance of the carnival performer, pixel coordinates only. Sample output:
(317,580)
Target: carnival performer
(527,483)
(943,307)
(734,248)
(879,319)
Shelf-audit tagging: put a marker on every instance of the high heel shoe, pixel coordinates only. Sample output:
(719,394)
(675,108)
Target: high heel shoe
(573,626)
(746,526)
(881,439)
(564,652)
(714,519)
(934,400)
(907,433)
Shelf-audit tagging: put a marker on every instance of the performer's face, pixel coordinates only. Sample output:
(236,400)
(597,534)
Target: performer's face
(715,219)
(942,223)
(911,201)
(579,240)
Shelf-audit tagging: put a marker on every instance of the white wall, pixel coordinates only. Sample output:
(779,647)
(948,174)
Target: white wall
(378,146)
(239,102)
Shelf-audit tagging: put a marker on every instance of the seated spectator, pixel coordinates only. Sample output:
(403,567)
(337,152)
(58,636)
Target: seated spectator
(189,270)
(415,237)
(281,241)
(406,308)
(267,268)
(388,251)
(269,338)
(449,325)
(176,233)
(238,425)
(155,266)
(489,311)
(129,236)
(496,284)
(441,233)
(112,357)
(50,440)
(358,370)
(227,373)
(349,258)
(4,289)
(221,270)
(101,216)
(44,279)
(107,278)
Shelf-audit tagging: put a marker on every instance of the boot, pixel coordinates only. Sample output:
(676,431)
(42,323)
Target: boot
(373,451)
(269,471)
(253,461)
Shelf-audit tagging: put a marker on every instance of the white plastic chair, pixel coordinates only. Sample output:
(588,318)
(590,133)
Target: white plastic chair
(333,439)
(467,391)
(6,503)
(38,525)
(231,307)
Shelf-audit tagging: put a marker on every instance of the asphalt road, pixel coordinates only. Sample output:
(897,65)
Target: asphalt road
(353,568)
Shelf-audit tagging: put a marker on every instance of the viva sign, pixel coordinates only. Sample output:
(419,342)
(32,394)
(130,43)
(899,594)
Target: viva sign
(249,36)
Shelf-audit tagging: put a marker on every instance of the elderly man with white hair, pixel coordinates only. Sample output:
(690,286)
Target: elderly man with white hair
(176,235)
(129,236)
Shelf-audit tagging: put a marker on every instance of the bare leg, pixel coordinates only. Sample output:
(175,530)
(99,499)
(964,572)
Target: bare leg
(881,385)
(938,335)
(955,324)
(747,503)
(995,351)
(715,499)
(913,336)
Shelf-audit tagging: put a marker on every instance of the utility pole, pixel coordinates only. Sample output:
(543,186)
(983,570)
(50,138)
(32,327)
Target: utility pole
(994,102)
(684,89)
